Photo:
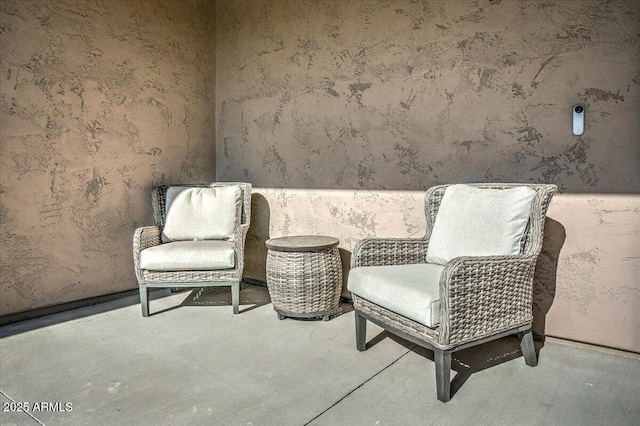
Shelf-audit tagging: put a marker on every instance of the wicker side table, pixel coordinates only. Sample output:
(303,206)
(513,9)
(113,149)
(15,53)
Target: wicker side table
(304,276)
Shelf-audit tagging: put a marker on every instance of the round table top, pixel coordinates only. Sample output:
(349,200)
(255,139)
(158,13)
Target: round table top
(302,243)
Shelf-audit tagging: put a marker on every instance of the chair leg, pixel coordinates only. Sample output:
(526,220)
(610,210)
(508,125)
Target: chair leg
(528,348)
(361,332)
(144,300)
(235,297)
(443,374)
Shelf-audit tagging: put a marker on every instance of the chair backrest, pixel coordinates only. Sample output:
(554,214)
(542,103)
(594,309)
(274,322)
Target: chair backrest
(159,198)
(532,243)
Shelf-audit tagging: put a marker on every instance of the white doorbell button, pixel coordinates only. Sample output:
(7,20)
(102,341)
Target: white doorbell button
(578,120)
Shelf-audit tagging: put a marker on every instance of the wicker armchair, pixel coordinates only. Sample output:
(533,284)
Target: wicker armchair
(150,236)
(481,298)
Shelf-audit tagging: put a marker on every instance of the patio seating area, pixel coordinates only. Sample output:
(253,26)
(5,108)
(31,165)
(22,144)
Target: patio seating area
(193,362)
(319,212)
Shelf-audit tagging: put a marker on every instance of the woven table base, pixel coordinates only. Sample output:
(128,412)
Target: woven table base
(305,284)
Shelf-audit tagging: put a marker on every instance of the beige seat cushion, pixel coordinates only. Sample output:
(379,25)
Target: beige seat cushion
(409,290)
(203,214)
(189,256)
(475,221)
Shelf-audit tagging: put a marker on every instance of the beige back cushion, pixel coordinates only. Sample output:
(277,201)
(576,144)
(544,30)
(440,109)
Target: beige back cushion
(203,214)
(172,191)
(475,221)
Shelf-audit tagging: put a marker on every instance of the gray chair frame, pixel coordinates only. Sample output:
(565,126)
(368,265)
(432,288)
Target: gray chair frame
(149,236)
(481,298)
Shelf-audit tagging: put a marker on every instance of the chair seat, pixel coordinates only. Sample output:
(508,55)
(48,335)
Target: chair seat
(189,256)
(412,291)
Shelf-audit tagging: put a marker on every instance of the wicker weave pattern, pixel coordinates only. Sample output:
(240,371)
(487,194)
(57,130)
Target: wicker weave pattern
(483,296)
(145,237)
(149,236)
(390,251)
(479,296)
(304,282)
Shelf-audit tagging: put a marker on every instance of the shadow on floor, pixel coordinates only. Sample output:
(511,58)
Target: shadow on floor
(253,295)
(467,361)
(250,294)
(46,319)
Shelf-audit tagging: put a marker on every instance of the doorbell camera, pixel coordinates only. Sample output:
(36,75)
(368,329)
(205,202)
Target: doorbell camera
(578,120)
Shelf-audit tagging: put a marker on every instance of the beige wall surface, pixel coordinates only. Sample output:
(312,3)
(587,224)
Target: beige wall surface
(595,292)
(98,101)
(369,95)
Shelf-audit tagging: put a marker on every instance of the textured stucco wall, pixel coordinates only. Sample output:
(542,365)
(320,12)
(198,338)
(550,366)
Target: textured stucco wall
(369,95)
(380,94)
(346,214)
(98,101)
(595,292)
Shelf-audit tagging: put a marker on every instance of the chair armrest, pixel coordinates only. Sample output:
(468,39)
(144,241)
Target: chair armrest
(389,251)
(144,237)
(484,295)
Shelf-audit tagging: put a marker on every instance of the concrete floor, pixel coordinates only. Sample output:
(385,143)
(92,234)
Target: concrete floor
(194,363)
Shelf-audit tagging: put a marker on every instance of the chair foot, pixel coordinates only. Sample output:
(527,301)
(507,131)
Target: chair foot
(443,374)
(361,332)
(235,297)
(528,348)
(144,300)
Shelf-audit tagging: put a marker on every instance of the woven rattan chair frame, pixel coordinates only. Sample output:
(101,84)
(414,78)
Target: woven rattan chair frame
(149,236)
(481,298)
